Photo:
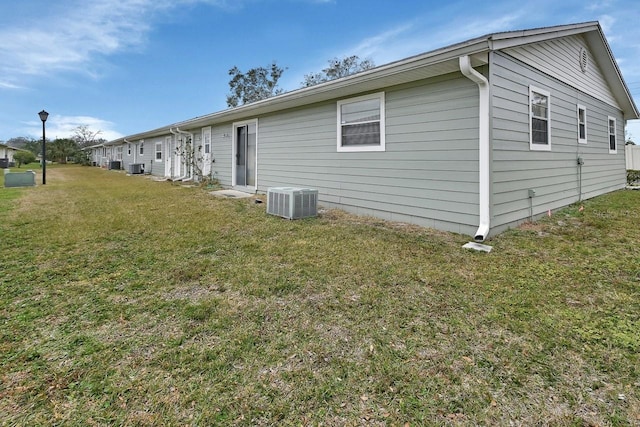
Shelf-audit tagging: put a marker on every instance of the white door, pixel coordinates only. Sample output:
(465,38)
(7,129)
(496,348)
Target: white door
(167,157)
(206,151)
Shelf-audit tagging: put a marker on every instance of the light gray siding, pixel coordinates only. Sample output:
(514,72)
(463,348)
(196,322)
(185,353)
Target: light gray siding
(559,58)
(428,174)
(221,152)
(155,168)
(554,175)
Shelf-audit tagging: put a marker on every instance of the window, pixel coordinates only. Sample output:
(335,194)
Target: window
(361,123)
(141,148)
(128,149)
(613,147)
(158,151)
(119,152)
(539,123)
(582,125)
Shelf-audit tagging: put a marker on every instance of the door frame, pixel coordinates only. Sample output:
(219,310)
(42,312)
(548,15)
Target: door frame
(234,134)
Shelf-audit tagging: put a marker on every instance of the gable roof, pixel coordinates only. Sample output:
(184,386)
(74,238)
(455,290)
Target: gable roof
(418,67)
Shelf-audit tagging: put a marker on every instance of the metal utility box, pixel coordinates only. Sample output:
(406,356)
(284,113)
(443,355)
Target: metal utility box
(292,203)
(20,179)
(136,168)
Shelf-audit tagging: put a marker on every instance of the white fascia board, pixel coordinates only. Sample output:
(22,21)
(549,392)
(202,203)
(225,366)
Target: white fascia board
(510,39)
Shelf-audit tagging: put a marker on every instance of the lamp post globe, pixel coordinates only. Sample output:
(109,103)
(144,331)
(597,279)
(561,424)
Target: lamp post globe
(43,116)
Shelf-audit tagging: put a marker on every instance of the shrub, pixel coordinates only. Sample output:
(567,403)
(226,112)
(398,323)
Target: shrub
(24,157)
(633,176)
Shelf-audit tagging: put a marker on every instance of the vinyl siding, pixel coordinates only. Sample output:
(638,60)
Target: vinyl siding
(554,175)
(428,174)
(559,58)
(153,167)
(221,152)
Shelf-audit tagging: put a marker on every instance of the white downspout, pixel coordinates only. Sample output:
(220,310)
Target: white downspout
(192,142)
(483,147)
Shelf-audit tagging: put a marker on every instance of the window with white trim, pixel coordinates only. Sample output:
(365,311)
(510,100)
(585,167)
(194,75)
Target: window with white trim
(613,146)
(141,148)
(158,151)
(582,125)
(539,119)
(128,149)
(119,152)
(361,123)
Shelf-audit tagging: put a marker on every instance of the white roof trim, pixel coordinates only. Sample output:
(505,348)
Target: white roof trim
(405,70)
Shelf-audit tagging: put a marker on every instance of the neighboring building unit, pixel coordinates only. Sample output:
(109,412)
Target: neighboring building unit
(471,138)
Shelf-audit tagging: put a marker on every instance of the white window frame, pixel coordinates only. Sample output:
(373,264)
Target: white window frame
(158,147)
(584,109)
(141,148)
(129,150)
(614,134)
(119,152)
(539,147)
(355,148)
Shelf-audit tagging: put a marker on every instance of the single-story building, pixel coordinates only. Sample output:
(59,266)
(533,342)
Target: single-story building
(472,138)
(6,155)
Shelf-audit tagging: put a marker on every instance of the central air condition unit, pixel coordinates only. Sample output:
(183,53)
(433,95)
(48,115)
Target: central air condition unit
(292,203)
(114,164)
(136,168)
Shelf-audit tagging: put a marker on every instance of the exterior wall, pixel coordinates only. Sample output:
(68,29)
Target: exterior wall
(554,175)
(560,58)
(222,153)
(428,174)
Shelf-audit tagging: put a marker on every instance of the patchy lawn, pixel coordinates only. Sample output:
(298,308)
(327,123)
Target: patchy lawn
(131,302)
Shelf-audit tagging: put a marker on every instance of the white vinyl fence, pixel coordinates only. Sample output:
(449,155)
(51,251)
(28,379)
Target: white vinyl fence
(632,153)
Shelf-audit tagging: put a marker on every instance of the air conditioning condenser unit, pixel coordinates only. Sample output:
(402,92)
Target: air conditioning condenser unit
(292,203)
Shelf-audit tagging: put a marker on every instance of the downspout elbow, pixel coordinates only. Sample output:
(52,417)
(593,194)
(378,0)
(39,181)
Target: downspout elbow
(484,149)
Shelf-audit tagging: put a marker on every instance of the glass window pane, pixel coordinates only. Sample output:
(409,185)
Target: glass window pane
(361,134)
(362,111)
(539,105)
(539,131)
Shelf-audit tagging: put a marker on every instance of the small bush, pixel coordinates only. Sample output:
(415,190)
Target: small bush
(24,157)
(633,176)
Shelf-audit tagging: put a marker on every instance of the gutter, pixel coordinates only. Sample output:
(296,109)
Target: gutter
(483,147)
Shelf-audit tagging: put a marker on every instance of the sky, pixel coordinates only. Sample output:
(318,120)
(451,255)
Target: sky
(123,67)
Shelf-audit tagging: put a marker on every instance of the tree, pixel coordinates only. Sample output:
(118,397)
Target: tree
(24,157)
(337,69)
(254,85)
(61,150)
(84,136)
(33,145)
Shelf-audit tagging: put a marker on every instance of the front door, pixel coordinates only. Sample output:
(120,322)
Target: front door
(167,157)
(206,151)
(245,151)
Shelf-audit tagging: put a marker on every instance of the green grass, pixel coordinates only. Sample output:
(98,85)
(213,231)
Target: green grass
(131,302)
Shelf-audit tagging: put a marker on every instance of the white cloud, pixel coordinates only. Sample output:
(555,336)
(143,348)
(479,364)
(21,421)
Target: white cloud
(58,126)
(75,36)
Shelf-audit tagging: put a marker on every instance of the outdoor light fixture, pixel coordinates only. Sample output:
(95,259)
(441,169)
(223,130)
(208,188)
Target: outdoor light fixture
(43,116)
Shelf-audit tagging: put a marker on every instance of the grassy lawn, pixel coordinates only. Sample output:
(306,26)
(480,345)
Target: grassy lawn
(131,302)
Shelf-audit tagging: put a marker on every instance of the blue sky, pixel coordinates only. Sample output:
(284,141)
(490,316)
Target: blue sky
(127,66)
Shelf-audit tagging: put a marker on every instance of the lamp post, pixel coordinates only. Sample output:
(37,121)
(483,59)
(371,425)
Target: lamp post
(43,116)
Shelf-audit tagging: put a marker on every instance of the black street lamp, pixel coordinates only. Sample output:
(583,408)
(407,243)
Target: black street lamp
(43,116)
